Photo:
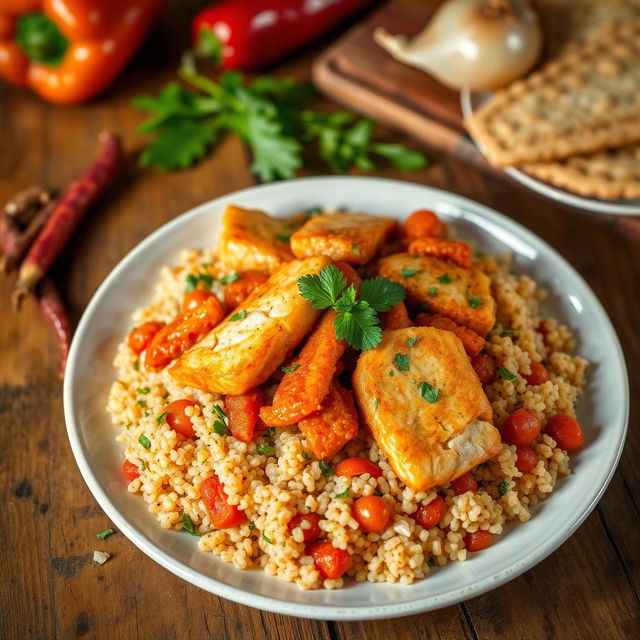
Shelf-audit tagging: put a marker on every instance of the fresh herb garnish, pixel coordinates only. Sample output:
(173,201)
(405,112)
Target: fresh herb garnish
(408,273)
(266,449)
(161,417)
(356,250)
(508,333)
(475,302)
(146,414)
(142,403)
(239,316)
(503,487)
(444,278)
(429,393)
(304,455)
(187,524)
(252,526)
(412,340)
(433,292)
(136,365)
(232,277)
(220,424)
(344,494)
(503,372)
(327,471)
(283,237)
(128,425)
(144,390)
(381,293)
(105,534)
(313,211)
(194,280)
(291,368)
(266,538)
(270,432)
(144,441)
(402,361)
(391,373)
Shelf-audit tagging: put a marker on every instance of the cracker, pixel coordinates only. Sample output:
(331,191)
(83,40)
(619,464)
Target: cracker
(587,100)
(609,174)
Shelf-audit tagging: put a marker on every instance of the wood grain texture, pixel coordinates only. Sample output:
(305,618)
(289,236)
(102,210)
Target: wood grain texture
(589,588)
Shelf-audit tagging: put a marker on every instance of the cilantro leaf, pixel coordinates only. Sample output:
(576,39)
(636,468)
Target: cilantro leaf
(504,373)
(402,361)
(408,273)
(187,524)
(324,288)
(399,156)
(429,393)
(444,278)
(291,368)
(346,301)
(475,302)
(359,327)
(381,293)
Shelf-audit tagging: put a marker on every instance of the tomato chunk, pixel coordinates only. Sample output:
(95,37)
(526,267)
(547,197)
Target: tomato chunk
(466,482)
(236,292)
(309,523)
(243,413)
(194,299)
(566,431)
(521,427)
(485,367)
(424,223)
(222,514)
(372,513)
(526,459)
(430,515)
(478,540)
(330,561)
(131,471)
(357,467)
(141,336)
(539,374)
(178,420)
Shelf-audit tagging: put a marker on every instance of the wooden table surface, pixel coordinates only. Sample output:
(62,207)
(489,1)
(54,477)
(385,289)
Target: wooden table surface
(50,588)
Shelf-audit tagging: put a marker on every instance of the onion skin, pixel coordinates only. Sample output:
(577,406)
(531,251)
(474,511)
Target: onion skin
(480,45)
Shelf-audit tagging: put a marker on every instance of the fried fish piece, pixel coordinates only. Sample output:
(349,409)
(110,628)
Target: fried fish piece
(251,343)
(352,237)
(424,406)
(464,295)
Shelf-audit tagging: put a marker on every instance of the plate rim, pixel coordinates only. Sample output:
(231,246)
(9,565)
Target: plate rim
(319,611)
(596,205)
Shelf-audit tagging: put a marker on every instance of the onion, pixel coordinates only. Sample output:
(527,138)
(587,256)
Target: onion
(477,44)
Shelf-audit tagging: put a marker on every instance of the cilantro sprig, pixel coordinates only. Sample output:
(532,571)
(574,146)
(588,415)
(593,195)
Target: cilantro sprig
(357,321)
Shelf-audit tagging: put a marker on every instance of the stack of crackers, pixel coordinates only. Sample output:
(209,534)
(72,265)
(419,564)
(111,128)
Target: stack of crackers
(575,122)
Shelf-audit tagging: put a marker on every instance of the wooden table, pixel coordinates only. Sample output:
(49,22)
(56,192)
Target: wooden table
(50,588)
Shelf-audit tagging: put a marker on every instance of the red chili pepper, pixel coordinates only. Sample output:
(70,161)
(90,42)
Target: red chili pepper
(249,34)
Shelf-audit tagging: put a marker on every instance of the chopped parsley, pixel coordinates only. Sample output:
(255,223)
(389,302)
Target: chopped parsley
(266,538)
(144,390)
(408,273)
(503,487)
(503,372)
(232,277)
(508,333)
(195,279)
(187,524)
(412,340)
(105,534)
(291,368)
(270,432)
(144,441)
(344,494)
(433,292)
(475,302)
(146,414)
(252,526)
(444,278)
(327,471)
(429,393)
(136,365)
(402,361)
(392,373)
(142,403)
(161,417)
(283,237)
(304,455)
(266,449)
(128,426)
(239,316)
(220,425)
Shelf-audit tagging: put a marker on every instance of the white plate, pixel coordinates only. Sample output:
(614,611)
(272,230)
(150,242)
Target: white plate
(469,101)
(602,411)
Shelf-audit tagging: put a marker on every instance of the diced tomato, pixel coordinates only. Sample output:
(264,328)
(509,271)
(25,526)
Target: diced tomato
(243,413)
(466,482)
(539,374)
(485,367)
(526,459)
(372,513)
(566,431)
(178,420)
(141,336)
(478,540)
(236,292)
(131,471)
(222,514)
(195,298)
(330,561)
(430,515)
(357,467)
(521,427)
(424,223)
(309,524)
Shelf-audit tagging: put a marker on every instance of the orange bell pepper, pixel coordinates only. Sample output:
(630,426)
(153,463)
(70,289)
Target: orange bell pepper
(67,51)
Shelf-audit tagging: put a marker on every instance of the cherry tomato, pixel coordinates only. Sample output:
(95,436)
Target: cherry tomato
(357,467)
(485,367)
(372,513)
(566,431)
(478,540)
(526,459)
(521,427)
(539,374)
(194,299)
(178,420)
(466,482)
(311,531)
(141,336)
(222,514)
(243,413)
(131,471)
(424,223)
(238,291)
(330,561)
(430,515)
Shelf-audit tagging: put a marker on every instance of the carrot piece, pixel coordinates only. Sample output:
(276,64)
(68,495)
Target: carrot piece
(69,209)
(302,391)
(471,341)
(53,310)
(396,318)
(328,430)
(181,334)
(243,413)
(450,250)
(236,292)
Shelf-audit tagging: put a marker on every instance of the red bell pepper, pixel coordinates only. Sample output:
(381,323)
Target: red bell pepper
(67,51)
(249,34)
